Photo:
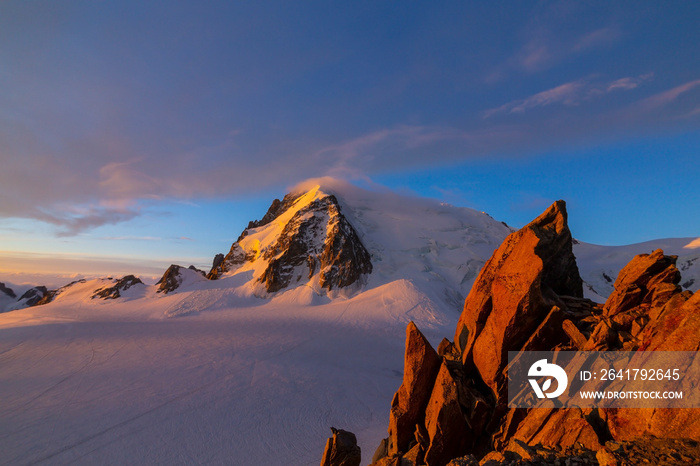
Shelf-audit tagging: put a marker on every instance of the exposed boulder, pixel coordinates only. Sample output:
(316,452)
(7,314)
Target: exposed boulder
(515,292)
(421,366)
(341,449)
(448,431)
(677,328)
(558,428)
(649,279)
(113,292)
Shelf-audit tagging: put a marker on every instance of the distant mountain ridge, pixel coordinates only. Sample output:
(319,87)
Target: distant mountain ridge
(335,239)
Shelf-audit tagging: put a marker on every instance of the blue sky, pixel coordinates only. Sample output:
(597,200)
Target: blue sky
(151,132)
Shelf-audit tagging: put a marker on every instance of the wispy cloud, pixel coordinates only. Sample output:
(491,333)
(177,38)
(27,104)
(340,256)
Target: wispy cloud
(354,155)
(569,94)
(666,97)
(566,94)
(627,84)
(543,48)
(598,38)
(69,222)
(131,238)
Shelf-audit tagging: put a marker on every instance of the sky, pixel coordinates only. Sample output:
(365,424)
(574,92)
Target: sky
(134,134)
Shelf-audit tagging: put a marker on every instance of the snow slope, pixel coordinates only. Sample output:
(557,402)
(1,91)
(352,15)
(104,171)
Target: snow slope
(439,247)
(213,374)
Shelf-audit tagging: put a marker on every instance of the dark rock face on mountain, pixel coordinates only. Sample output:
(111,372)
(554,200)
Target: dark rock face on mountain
(528,297)
(173,277)
(276,209)
(35,296)
(114,292)
(317,240)
(7,291)
(236,256)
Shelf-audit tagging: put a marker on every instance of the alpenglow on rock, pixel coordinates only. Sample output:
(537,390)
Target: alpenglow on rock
(303,239)
(528,298)
(173,278)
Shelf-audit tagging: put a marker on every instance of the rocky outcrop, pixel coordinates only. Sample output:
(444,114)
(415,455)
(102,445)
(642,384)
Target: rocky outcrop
(317,238)
(236,256)
(514,294)
(528,297)
(647,281)
(173,277)
(449,434)
(276,209)
(7,291)
(35,296)
(644,451)
(421,365)
(114,292)
(341,449)
(317,241)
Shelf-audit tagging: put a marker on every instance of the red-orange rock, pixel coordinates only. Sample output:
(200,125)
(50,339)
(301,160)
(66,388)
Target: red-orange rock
(341,449)
(421,365)
(557,428)
(448,431)
(677,328)
(647,279)
(515,292)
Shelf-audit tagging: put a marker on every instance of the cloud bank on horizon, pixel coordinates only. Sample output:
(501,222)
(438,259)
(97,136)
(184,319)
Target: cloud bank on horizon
(106,110)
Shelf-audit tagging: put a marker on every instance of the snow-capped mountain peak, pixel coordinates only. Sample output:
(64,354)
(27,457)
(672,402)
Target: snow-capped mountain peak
(302,240)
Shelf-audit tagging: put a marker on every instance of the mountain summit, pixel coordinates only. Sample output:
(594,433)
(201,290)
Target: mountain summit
(303,239)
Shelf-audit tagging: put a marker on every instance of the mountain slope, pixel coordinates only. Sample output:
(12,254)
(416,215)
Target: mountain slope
(225,371)
(599,265)
(229,370)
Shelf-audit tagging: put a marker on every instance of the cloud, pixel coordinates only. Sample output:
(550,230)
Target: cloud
(566,94)
(131,238)
(598,38)
(666,97)
(552,34)
(71,221)
(98,129)
(569,94)
(372,145)
(627,84)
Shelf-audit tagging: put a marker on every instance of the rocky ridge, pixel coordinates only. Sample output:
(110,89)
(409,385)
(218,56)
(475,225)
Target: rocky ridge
(7,291)
(114,291)
(315,243)
(528,297)
(174,277)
